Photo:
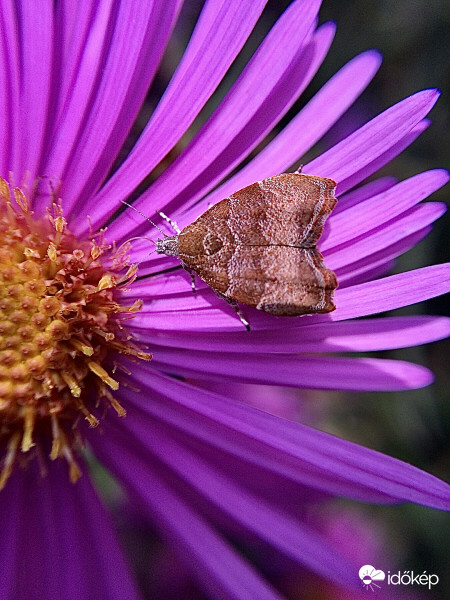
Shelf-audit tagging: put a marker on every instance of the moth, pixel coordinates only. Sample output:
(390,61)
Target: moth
(259,246)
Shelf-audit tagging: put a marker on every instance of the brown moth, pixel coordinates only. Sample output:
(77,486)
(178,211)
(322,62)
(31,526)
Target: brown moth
(258,246)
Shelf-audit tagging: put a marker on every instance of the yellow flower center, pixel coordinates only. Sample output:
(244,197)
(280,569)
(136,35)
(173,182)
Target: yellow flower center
(60,325)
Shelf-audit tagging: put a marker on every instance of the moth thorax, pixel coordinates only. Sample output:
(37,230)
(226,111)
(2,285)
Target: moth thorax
(168,245)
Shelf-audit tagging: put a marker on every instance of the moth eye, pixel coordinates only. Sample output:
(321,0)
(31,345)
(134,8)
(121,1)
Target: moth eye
(212,243)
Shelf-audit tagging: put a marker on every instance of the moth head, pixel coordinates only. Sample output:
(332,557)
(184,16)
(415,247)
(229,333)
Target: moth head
(167,245)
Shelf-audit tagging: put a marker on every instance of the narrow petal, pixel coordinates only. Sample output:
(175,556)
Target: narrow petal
(85,74)
(221,31)
(380,238)
(120,56)
(300,453)
(308,126)
(35,71)
(379,264)
(384,207)
(325,373)
(73,23)
(52,547)
(391,292)
(347,336)
(362,193)
(8,82)
(10,40)
(134,54)
(171,304)
(373,139)
(369,168)
(236,127)
(217,566)
(288,535)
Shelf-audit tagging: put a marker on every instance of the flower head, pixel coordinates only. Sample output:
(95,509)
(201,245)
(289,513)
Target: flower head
(80,278)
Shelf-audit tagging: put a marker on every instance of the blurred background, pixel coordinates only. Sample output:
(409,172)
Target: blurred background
(413,36)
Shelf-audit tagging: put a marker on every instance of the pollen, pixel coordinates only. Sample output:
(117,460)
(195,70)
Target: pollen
(61,332)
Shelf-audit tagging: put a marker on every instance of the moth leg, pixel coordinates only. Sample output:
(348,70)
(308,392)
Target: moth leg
(191,273)
(235,305)
(171,223)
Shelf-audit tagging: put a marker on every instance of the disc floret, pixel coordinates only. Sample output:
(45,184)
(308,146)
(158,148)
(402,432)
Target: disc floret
(60,327)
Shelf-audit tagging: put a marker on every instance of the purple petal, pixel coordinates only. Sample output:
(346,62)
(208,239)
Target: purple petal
(362,193)
(170,308)
(312,372)
(385,158)
(380,238)
(79,81)
(134,55)
(375,270)
(217,566)
(391,292)
(347,336)
(11,49)
(286,448)
(374,212)
(51,545)
(115,70)
(306,128)
(373,139)
(35,71)
(73,23)
(379,264)
(224,495)
(237,126)
(221,31)
(9,88)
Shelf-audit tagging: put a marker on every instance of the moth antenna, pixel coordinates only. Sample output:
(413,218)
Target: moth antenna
(140,237)
(169,220)
(145,258)
(137,237)
(145,217)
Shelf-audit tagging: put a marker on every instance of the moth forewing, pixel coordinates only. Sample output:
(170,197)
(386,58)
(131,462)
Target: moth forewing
(258,246)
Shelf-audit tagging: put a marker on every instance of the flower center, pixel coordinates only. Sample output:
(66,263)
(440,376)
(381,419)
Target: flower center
(60,325)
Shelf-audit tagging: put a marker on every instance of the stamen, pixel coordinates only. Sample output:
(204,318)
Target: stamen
(28,427)
(60,321)
(100,372)
(82,347)
(90,418)
(21,200)
(11,454)
(105,282)
(75,389)
(51,251)
(95,252)
(118,407)
(56,439)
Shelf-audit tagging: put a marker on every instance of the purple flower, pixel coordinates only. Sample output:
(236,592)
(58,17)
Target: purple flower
(195,461)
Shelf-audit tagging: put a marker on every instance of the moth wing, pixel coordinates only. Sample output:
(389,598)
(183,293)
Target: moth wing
(206,247)
(258,246)
(288,209)
(281,280)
